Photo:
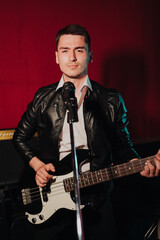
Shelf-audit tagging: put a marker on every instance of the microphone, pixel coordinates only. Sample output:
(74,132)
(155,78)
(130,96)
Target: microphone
(70,101)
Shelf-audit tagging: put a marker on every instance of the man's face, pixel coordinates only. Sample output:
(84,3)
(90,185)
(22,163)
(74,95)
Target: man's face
(73,56)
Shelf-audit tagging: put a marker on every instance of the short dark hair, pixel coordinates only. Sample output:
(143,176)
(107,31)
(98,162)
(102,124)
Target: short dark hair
(74,29)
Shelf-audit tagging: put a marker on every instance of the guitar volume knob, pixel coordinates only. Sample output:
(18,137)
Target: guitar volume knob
(34,220)
(41,217)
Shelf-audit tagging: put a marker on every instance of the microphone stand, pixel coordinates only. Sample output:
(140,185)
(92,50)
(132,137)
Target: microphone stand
(72,117)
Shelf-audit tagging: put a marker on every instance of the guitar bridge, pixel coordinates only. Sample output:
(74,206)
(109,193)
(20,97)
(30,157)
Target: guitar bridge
(26,196)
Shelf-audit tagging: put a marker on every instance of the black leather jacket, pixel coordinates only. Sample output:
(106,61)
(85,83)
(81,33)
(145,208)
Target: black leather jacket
(105,123)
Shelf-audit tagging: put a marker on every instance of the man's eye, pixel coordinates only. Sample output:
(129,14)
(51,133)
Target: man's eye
(79,50)
(64,51)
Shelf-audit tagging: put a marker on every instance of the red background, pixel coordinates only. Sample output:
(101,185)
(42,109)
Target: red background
(126,54)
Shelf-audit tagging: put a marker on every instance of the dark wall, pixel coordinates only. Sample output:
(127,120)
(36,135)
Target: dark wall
(10,163)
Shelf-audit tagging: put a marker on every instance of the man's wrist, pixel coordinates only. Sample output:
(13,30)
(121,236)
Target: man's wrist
(36,163)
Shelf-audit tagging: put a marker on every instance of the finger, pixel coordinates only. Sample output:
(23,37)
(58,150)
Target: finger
(42,173)
(158,155)
(157,162)
(146,170)
(50,168)
(40,182)
(150,169)
(41,178)
(142,173)
(45,169)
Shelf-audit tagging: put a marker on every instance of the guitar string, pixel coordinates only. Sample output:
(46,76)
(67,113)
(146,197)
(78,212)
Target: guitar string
(91,178)
(114,167)
(40,190)
(37,188)
(110,170)
(101,172)
(53,194)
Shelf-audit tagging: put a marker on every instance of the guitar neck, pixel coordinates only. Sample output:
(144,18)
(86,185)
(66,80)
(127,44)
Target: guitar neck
(91,178)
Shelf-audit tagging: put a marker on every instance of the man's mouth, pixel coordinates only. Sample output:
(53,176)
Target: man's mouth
(72,65)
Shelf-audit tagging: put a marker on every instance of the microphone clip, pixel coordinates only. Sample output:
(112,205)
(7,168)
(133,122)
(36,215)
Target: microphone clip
(70,101)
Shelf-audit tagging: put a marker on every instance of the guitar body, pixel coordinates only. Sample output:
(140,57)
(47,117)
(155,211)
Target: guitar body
(40,204)
(46,201)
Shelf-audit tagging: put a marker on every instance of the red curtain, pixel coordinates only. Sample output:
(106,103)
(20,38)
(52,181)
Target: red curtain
(126,54)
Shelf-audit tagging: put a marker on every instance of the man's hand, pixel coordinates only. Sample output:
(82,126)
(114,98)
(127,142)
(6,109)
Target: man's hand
(150,170)
(42,175)
(41,169)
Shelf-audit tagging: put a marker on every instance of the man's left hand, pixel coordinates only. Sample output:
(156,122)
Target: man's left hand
(149,169)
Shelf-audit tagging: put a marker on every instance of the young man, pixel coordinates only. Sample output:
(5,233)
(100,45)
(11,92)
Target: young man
(101,130)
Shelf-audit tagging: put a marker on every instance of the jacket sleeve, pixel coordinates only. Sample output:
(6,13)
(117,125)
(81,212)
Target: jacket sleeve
(123,150)
(24,133)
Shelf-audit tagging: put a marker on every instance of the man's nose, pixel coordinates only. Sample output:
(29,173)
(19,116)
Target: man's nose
(72,56)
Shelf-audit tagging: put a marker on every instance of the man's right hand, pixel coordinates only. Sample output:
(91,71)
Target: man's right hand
(41,169)
(42,175)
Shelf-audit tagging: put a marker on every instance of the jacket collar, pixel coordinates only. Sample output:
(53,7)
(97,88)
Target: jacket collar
(86,83)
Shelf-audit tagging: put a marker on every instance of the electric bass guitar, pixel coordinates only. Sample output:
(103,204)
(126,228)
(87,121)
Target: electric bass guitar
(41,203)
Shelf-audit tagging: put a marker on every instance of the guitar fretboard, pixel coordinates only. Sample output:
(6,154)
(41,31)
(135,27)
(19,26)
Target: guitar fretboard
(91,178)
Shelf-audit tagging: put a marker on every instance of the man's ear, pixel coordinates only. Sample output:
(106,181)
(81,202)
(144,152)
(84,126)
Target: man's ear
(56,54)
(91,57)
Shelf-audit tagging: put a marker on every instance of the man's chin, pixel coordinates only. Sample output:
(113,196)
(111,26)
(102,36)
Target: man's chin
(74,76)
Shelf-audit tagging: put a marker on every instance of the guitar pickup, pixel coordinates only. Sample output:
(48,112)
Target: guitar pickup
(45,191)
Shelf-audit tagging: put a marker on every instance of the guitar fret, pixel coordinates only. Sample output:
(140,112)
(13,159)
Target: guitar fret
(103,175)
(99,176)
(106,174)
(141,163)
(85,179)
(115,171)
(94,177)
(119,170)
(71,184)
(66,185)
(82,181)
(90,178)
(137,165)
(110,174)
(129,168)
(125,169)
